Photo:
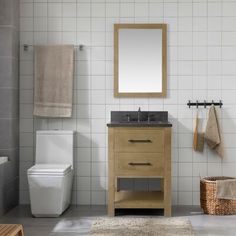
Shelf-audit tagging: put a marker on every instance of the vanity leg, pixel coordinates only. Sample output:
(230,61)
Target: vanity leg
(167,177)
(111,197)
(111,178)
(111,211)
(167,211)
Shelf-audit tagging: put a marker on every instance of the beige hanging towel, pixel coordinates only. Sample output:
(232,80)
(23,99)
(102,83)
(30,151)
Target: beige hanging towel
(226,189)
(212,133)
(198,138)
(53,80)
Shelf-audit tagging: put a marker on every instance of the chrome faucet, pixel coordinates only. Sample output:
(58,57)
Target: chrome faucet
(139,111)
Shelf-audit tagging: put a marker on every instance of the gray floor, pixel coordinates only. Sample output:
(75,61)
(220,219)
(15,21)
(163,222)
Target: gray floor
(77,221)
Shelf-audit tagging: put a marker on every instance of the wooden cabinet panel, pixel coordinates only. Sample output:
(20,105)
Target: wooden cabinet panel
(139,140)
(125,199)
(139,164)
(139,153)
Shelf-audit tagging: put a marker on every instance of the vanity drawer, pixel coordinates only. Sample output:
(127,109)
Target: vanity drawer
(139,140)
(138,164)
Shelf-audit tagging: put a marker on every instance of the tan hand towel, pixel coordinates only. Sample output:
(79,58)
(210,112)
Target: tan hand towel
(200,142)
(53,80)
(226,189)
(198,138)
(195,134)
(212,133)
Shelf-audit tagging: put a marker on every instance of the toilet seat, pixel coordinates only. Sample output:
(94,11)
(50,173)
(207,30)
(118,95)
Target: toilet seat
(50,169)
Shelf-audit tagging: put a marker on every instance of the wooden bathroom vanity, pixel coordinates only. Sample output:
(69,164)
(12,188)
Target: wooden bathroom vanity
(139,148)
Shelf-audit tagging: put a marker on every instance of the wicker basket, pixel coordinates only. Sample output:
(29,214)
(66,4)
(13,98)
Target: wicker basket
(209,203)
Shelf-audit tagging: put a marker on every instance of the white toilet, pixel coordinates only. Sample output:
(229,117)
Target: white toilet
(50,179)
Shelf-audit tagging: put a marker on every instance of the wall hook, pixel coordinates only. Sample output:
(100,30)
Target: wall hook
(189,103)
(220,103)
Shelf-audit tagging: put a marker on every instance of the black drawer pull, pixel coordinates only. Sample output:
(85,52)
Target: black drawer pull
(140,164)
(140,140)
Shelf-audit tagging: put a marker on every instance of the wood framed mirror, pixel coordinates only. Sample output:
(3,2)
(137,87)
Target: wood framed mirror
(140,60)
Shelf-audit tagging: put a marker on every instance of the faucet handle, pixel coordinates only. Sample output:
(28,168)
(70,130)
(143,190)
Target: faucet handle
(139,109)
(128,117)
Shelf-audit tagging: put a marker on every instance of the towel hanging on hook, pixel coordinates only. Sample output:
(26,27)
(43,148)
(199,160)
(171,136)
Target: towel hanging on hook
(198,137)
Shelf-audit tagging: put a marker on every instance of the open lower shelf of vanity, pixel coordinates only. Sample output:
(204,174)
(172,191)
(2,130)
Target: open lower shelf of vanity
(131,199)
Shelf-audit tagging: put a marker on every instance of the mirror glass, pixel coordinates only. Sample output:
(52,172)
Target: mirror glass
(140,60)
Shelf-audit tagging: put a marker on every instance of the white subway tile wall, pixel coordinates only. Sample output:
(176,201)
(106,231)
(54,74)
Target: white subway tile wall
(201,66)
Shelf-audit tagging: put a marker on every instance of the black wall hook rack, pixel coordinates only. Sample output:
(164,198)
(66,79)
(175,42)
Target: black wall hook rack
(205,104)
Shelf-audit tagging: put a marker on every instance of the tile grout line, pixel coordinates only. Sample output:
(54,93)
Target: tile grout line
(192,97)
(177,142)
(221,74)
(76,109)
(90,102)
(106,164)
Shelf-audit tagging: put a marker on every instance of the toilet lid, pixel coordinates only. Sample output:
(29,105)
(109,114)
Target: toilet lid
(43,169)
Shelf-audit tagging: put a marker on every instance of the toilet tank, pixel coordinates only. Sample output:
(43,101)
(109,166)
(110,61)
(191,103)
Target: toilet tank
(54,147)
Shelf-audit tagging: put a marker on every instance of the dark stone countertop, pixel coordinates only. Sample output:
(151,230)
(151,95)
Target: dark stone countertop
(139,124)
(139,119)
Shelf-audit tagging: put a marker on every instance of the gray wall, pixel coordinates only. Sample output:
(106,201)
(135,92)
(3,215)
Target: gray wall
(9,115)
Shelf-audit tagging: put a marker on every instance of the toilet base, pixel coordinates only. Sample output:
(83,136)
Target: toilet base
(49,215)
(50,195)
(46,216)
